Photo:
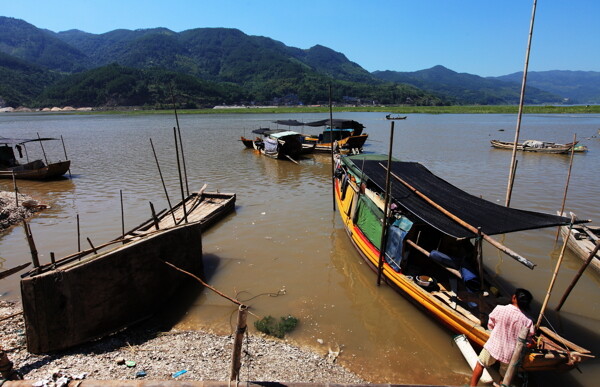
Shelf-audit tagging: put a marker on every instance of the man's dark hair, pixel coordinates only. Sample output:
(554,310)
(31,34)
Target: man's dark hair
(523,298)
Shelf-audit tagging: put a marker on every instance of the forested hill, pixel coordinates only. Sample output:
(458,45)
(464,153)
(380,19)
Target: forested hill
(465,88)
(220,66)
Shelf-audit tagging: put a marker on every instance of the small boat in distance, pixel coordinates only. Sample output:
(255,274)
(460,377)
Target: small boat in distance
(31,170)
(391,117)
(582,240)
(535,146)
(427,251)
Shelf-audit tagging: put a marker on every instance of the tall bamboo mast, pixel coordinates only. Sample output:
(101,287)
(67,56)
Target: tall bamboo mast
(521,101)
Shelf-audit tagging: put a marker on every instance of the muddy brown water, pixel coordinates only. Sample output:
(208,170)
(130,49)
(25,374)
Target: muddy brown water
(284,250)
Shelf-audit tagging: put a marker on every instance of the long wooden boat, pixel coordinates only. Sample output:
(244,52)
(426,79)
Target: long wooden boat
(106,288)
(345,136)
(535,146)
(428,257)
(582,240)
(282,145)
(248,142)
(35,170)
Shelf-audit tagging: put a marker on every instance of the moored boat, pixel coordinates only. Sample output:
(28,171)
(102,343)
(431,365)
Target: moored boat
(535,146)
(31,170)
(277,144)
(101,290)
(429,257)
(391,117)
(345,136)
(581,240)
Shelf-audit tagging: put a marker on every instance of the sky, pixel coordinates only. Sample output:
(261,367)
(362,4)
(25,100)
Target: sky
(481,37)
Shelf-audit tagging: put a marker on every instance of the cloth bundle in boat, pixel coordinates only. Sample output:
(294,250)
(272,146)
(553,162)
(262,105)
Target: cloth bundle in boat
(471,280)
(270,145)
(395,238)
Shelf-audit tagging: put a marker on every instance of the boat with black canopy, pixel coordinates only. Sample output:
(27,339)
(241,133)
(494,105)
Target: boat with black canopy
(31,170)
(433,255)
(346,136)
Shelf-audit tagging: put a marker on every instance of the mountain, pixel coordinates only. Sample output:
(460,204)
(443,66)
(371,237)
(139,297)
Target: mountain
(463,88)
(579,87)
(25,41)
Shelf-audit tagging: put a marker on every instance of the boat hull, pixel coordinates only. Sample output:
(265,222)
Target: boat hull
(48,172)
(580,242)
(109,291)
(554,149)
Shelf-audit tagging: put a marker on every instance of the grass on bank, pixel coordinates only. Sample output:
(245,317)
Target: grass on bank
(473,109)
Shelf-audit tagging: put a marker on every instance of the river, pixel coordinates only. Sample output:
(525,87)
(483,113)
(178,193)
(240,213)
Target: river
(284,250)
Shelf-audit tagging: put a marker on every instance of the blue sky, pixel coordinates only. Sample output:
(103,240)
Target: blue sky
(482,37)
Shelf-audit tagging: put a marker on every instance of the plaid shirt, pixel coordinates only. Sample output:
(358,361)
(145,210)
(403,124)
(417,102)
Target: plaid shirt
(505,322)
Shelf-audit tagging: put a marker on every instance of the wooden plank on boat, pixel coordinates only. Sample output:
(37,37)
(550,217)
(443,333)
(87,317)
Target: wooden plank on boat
(449,299)
(559,339)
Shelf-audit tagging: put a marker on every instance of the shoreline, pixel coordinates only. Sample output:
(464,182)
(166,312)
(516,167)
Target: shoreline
(145,352)
(12,212)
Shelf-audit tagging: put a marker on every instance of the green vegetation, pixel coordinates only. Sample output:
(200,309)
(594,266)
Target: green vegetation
(268,325)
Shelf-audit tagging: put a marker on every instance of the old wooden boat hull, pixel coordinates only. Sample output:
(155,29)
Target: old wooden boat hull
(390,117)
(28,172)
(97,292)
(105,292)
(248,143)
(343,145)
(551,148)
(451,307)
(582,241)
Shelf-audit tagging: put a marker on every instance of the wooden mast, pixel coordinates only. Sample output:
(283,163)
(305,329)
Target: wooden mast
(385,208)
(521,101)
(332,163)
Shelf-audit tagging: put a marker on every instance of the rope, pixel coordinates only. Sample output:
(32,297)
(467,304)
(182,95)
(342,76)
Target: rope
(566,347)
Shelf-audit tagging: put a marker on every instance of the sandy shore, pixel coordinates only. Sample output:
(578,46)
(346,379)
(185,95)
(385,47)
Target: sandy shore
(145,352)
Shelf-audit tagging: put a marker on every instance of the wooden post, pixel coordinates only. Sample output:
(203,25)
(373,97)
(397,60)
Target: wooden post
(516,356)
(554,275)
(78,235)
(519,115)
(154,217)
(30,241)
(236,360)
(163,182)
(579,274)
(385,208)
(332,163)
(122,215)
(65,150)
(466,225)
(16,189)
(52,259)
(180,177)
(92,246)
(562,206)
(43,151)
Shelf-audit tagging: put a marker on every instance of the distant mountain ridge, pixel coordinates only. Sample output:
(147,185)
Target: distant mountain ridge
(253,69)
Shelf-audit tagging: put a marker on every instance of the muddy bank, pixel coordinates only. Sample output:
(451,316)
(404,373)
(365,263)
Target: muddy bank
(14,209)
(146,352)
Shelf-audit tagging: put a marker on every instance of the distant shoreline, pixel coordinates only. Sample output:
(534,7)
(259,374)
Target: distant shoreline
(471,109)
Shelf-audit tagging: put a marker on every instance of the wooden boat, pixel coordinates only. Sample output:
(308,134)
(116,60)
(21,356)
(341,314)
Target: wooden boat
(428,257)
(102,290)
(248,143)
(279,144)
(535,146)
(391,117)
(582,241)
(346,136)
(34,170)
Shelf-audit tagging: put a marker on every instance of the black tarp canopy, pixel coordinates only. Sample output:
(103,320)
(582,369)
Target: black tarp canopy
(19,141)
(337,123)
(492,218)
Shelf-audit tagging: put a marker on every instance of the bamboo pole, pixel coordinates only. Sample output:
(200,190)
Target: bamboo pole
(466,225)
(386,202)
(187,188)
(163,182)
(562,206)
(332,163)
(554,275)
(122,215)
(16,189)
(78,235)
(236,360)
(579,274)
(180,177)
(520,114)
(65,150)
(43,151)
(154,217)
(516,357)
(32,248)
(92,246)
